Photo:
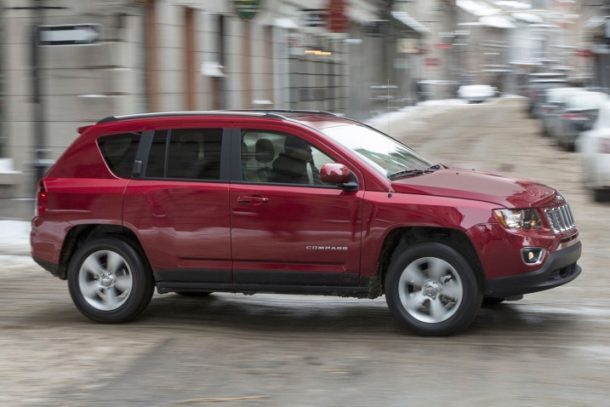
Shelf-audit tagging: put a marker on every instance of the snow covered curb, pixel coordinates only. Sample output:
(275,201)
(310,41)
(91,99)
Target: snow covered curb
(417,115)
(15,237)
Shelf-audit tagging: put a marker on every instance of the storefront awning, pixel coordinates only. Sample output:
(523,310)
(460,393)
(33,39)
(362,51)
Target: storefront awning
(497,21)
(361,16)
(477,8)
(285,22)
(406,19)
(528,18)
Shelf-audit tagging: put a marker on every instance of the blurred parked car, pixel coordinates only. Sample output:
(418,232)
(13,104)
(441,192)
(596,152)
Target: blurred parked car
(595,148)
(536,90)
(476,93)
(579,114)
(550,109)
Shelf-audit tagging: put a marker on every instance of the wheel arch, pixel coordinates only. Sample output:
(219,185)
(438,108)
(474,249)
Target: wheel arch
(79,234)
(401,238)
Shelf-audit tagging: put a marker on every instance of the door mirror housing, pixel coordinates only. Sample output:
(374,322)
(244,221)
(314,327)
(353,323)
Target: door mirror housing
(338,174)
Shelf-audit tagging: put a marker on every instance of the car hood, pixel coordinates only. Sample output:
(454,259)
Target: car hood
(480,186)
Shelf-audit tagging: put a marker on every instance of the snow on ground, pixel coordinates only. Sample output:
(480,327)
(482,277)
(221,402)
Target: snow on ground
(14,237)
(390,116)
(443,102)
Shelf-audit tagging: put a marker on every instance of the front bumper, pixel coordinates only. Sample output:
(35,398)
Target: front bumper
(560,268)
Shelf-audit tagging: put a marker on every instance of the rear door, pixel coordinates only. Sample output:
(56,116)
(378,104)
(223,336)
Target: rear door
(179,205)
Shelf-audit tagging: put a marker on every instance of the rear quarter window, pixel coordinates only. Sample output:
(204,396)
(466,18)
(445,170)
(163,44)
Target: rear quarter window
(119,152)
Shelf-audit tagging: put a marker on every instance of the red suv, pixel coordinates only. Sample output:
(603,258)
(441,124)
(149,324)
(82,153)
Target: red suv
(290,202)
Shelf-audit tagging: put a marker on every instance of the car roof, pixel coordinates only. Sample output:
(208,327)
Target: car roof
(311,118)
(558,94)
(554,80)
(192,113)
(546,74)
(587,100)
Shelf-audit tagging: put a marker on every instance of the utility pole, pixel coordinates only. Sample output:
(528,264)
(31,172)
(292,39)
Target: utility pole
(39,159)
(39,162)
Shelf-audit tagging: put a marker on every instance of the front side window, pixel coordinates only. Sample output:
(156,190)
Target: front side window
(192,154)
(277,158)
(119,152)
(386,155)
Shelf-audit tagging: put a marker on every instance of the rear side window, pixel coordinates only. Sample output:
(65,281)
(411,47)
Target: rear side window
(192,154)
(119,152)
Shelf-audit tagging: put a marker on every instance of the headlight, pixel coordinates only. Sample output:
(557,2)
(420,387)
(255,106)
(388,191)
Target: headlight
(518,218)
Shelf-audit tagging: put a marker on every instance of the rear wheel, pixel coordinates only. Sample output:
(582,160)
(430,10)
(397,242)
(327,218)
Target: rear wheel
(109,281)
(432,290)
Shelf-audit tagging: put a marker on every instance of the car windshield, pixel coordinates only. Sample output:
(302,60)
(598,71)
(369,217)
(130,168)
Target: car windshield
(386,155)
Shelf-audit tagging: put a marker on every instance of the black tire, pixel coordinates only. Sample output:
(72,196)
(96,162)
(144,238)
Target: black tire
(471,297)
(142,283)
(567,146)
(600,195)
(492,301)
(194,293)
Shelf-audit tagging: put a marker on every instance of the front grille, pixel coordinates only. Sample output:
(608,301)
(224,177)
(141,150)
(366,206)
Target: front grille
(560,218)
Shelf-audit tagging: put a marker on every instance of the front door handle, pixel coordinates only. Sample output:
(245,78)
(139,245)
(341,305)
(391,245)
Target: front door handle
(254,200)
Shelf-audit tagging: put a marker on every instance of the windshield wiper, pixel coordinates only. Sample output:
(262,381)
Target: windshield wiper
(415,172)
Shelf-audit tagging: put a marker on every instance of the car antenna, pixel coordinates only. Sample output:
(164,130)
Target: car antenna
(390,191)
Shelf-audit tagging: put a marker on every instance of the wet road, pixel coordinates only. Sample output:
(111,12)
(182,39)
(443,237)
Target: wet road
(552,348)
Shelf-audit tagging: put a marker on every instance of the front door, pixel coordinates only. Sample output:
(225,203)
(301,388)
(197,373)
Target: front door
(286,227)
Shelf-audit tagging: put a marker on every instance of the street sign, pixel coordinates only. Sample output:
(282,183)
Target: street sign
(247,9)
(75,34)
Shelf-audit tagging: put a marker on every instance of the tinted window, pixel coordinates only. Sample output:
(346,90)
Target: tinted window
(185,154)
(119,151)
(269,157)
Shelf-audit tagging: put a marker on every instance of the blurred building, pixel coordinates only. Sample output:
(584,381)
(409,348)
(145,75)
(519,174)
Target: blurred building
(359,57)
(485,32)
(99,58)
(595,40)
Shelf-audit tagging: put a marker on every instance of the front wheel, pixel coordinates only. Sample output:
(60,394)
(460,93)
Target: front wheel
(432,290)
(109,281)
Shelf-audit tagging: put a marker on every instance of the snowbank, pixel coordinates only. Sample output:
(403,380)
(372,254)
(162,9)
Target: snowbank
(14,237)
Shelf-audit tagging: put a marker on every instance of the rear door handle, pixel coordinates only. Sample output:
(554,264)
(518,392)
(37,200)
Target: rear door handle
(254,200)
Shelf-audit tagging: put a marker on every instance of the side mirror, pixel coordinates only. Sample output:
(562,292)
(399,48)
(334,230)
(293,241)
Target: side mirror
(338,174)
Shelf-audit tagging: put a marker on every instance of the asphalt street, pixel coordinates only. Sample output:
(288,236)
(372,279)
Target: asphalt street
(549,349)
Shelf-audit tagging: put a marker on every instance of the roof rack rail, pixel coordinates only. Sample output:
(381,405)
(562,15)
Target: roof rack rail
(286,111)
(253,113)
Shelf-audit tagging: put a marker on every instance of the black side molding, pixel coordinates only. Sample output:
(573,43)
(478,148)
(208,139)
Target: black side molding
(340,291)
